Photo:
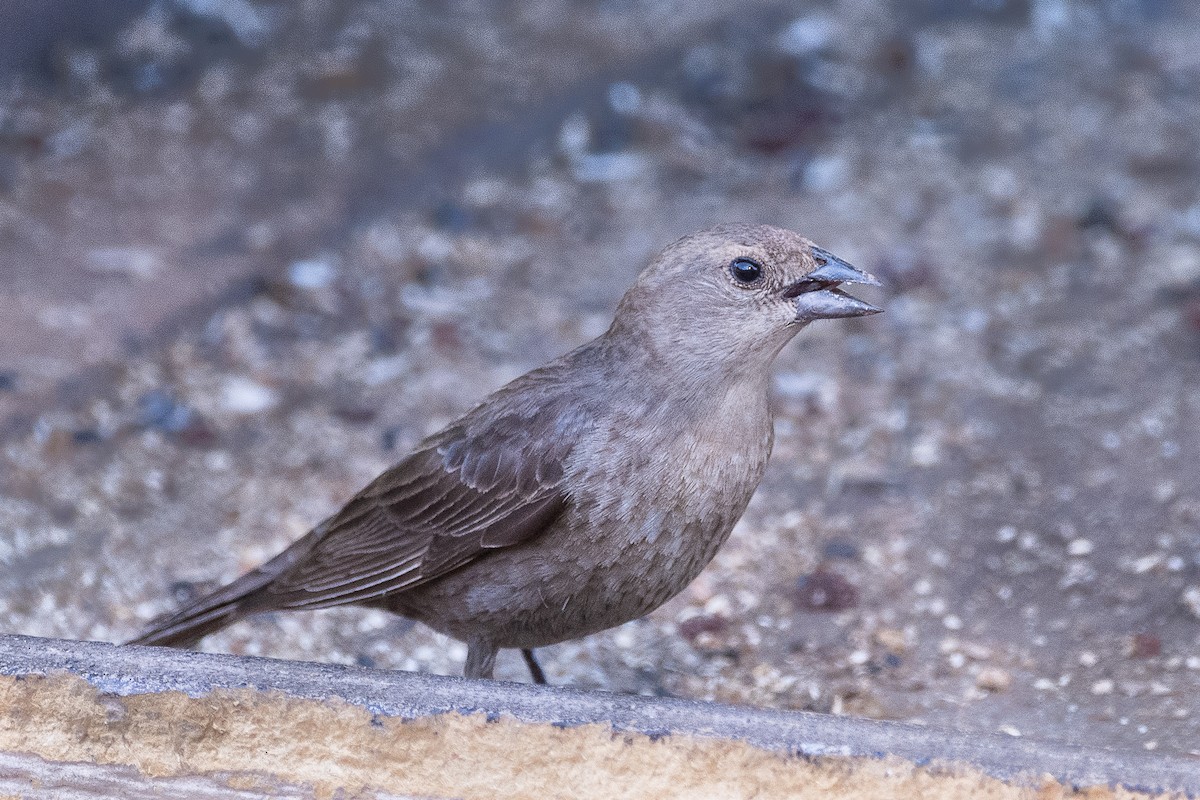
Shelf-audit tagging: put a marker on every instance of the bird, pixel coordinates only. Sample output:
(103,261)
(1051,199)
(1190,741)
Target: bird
(585,493)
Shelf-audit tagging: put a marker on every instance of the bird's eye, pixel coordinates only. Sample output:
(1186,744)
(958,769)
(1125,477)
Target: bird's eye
(746,271)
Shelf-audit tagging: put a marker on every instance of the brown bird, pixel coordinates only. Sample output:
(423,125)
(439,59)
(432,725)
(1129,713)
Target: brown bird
(583,494)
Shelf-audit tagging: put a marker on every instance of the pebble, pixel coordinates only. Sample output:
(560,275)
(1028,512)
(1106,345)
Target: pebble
(248,22)
(574,135)
(805,35)
(134,262)
(702,623)
(606,167)
(977,652)
(383,370)
(925,452)
(1144,564)
(1144,645)
(1166,491)
(891,638)
(159,409)
(993,679)
(1191,600)
(825,590)
(1080,547)
(312,273)
(1103,687)
(242,395)
(719,605)
(840,548)
(624,97)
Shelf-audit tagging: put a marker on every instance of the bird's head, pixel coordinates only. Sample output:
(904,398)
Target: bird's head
(737,294)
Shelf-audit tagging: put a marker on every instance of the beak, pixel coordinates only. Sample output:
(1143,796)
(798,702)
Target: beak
(817,293)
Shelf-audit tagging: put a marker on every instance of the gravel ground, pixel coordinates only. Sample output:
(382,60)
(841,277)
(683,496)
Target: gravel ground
(253,253)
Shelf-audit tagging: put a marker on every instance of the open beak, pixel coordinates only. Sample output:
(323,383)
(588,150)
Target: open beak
(818,296)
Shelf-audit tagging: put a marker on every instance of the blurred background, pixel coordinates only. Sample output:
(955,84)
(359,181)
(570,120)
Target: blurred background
(250,252)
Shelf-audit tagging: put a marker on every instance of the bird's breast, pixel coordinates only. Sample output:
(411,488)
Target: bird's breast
(674,484)
(654,507)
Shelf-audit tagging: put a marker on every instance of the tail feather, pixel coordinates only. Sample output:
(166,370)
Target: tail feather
(185,630)
(241,598)
(208,614)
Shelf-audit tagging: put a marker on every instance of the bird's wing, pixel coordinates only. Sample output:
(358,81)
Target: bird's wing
(477,486)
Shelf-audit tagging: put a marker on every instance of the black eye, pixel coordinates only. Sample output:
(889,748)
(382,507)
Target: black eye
(745,271)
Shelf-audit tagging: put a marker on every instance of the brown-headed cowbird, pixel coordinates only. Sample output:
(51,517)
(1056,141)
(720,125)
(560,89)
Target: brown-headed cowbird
(585,493)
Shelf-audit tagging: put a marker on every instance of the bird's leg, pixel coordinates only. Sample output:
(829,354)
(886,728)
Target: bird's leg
(535,669)
(481,659)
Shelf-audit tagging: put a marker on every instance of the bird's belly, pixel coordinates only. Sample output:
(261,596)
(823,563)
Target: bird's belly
(611,558)
(551,594)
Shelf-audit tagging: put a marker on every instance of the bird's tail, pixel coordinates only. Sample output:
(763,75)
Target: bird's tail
(206,615)
(241,598)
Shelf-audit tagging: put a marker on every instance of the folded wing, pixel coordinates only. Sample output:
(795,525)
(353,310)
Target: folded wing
(478,486)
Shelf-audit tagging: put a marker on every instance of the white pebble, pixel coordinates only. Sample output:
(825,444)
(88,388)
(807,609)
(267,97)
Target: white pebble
(312,273)
(1165,491)
(805,35)
(1191,600)
(218,461)
(245,396)
(925,451)
(1144,564)
(1080,547)
(575,135)
(136,262)
(624,97)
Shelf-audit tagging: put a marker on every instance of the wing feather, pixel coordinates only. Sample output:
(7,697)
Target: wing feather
(482,484)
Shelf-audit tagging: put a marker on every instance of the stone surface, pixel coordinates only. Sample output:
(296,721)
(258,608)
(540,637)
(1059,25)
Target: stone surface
(149,718)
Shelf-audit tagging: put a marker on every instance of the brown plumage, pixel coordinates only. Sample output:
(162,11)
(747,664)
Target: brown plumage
(585,493)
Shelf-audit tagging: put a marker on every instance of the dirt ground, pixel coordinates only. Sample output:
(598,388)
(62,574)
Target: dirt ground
(251,252)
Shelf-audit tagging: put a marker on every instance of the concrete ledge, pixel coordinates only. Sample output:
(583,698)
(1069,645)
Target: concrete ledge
(84,719)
